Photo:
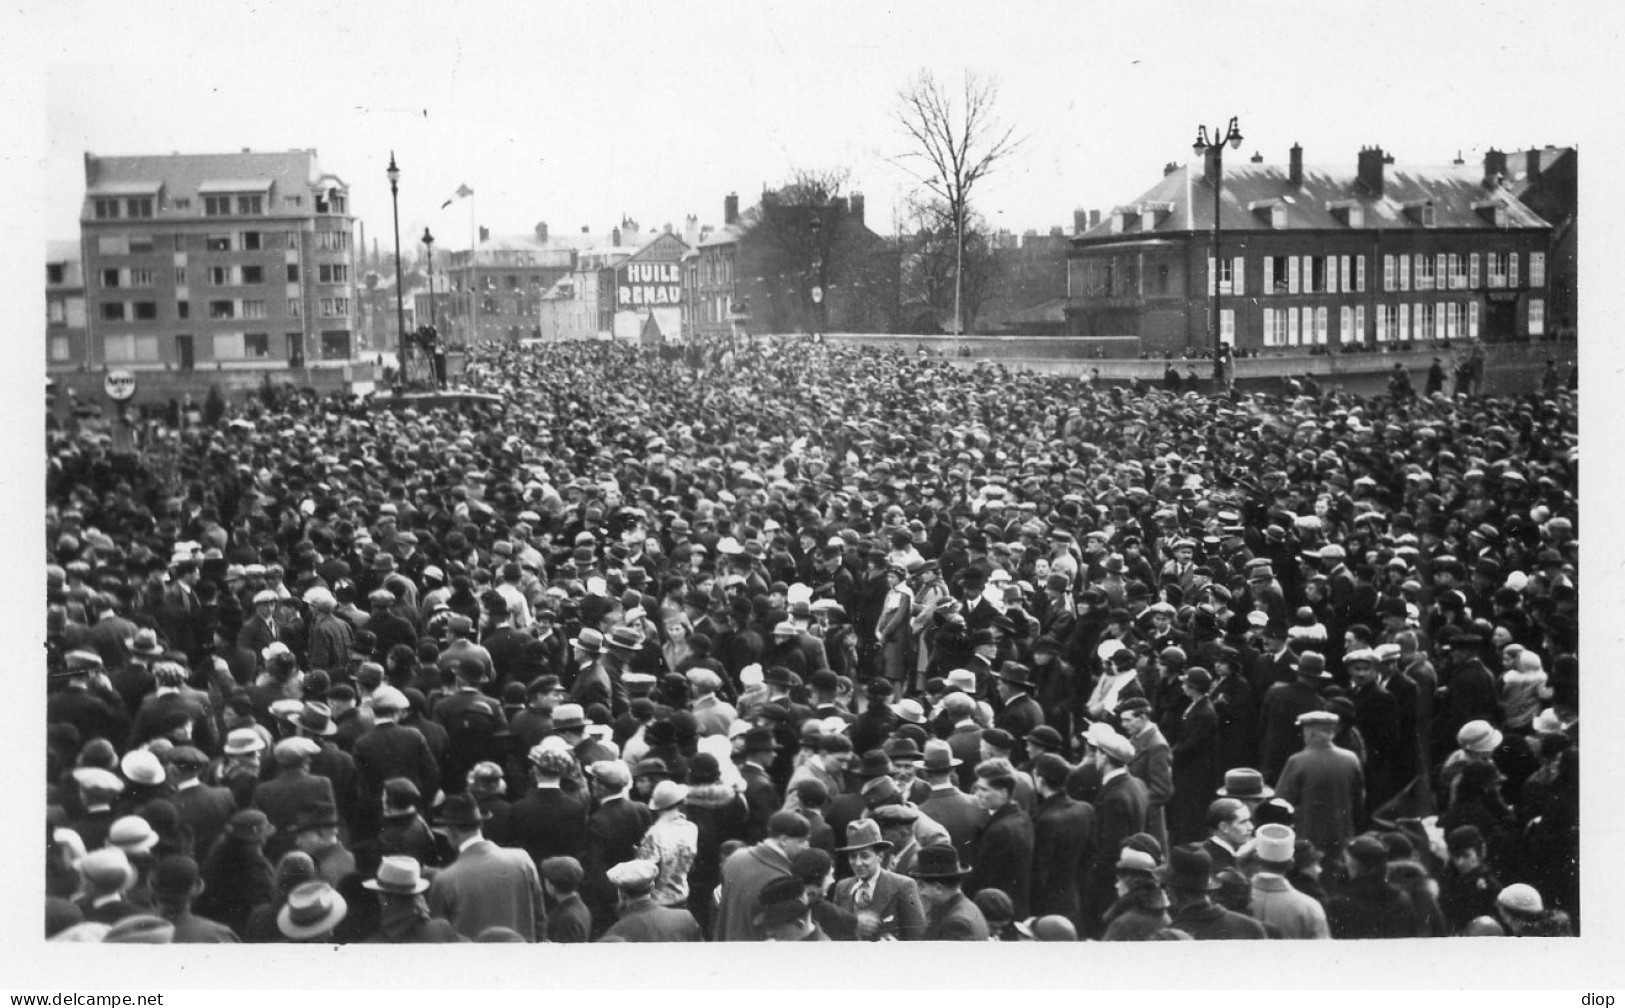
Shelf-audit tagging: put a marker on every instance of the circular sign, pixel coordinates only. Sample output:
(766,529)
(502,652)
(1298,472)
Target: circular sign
(119,385)
(817,294)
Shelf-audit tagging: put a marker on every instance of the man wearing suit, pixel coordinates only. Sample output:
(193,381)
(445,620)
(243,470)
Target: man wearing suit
(1282,705)
(965,741)
(546,822)
(613,832)
(949,915)
(260,629)
(1120,811)
(760,794)
(882,903)
(386,750)
(1230,826)
(1020,713)
(487,886)
(957,811)
(1004,848)
(294,787)
(641,919)
(1062,831)
(1152,763)
(203,807)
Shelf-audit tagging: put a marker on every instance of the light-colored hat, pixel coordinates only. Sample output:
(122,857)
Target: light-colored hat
(276,649)
(634,876)
(293,750)
(400,875)
(97,780)
(107,868)
(1521,898)
(132,835)
(666,794)
(140,929)
(962,679)
(613,774)
(1317,717)
(313,908)
(264,595)
(243,740)
(1360,655)
(141,766)
(1547,721)
(1478,736)
(389,698)
(1133,859)
(909,710)
(1106,738)
(1274,842)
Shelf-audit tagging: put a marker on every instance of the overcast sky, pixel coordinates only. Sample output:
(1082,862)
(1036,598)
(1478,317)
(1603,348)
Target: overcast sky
(576,114)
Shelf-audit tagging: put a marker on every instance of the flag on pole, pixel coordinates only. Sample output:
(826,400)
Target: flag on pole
(463,192)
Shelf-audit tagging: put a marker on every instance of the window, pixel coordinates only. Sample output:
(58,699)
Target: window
(296,307)
(332,241)
(217,206)
(1228,273)
(107,209)
(1404,265)
(112,311)
(256,345)
(1293,275)
(253,309)
(141,244)
(1537,269)
(222,310)
(1512,270)
(182,204)
(1497,269)
(110,245)
(253,274)
(180,243)
(1427,318)
(1359,278)
(139,206)
(1387,319)
(1472,271)
(249,241)
(61,349)
(1404,331)
(1227,326)
(1424,272)
(293,272)
(1315,275)
(55,273)
(336,201)
(293,201)
(251,206)
(335,307)
(183,309)
(332,273)
(1345,323)
(1453,321)
(1388,275)
(146,311)
(218,243)
(1359,322)
(217,276)
(335,344)
(1322,317)
(1458,271)
(1292,326)
(1347,272)
(180,277)
(141,278)
(513,282)
(56,311)
(111,278)
(293,241)
(126,349)
(1537,317)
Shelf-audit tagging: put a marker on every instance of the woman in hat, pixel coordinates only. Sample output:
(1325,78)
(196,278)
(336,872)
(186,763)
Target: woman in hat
(671,842)
(719,815)
(1141,907)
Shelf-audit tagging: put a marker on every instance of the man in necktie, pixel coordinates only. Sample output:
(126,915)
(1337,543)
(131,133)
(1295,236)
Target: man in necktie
(884,906)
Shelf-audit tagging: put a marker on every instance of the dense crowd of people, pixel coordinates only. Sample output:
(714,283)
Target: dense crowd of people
(783,641)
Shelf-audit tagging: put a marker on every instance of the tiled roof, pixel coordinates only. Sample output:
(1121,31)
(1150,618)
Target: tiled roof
(184,175)
(1453,190)
(726,235)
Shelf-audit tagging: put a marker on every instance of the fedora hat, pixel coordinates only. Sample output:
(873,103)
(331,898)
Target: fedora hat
(1244,782)
(759,739)
(875,763)
(314,717)
(146,643)
(938,861)
(312,909)
(778,675)
(1047,737)
(462,811)
(903,750)
(570,715)
(400,875)
(939,757)
(627,637)
(1015,672)
(590,641)
(666,794)
(863,834)
(1189,867)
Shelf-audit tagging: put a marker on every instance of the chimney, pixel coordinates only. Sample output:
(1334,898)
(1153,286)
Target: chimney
(1056,231)
(1257,158)
(485,234)
(1094,218)
(1369,172)
(1294,171)
(1531,169)
(730,209)
(857,208)
(1495,167)
(1212,163)
(541,232)
(1458,162)
(1080,221)
(615,237)
(1169,169)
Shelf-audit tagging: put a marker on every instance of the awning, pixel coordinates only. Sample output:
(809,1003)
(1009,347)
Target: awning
(234,185)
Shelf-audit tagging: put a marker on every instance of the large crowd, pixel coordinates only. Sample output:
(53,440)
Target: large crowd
(783,641)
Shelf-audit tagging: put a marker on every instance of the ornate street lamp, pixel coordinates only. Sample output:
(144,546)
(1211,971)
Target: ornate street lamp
(428,243)
(1204,148)
(394,174)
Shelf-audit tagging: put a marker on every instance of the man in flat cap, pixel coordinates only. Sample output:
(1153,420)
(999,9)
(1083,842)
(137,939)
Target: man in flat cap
(1120,812)
(639,917)
(390,749)
(568,919)
(1324,783)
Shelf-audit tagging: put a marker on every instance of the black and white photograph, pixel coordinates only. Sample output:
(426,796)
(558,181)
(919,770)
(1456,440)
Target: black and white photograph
(792,472)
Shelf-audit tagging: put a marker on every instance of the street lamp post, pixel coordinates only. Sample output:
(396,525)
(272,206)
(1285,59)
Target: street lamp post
(1214,148)
(815,226)
(394,174)
(428,243)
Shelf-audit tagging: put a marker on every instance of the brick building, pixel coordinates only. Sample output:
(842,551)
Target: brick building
(1365,253)
(225,262)
(64,306)
(1547,181)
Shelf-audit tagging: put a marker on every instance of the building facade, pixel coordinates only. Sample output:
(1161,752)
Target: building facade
(1365,255)
(218,262)
(1547,181)
(64,306)
(497,288)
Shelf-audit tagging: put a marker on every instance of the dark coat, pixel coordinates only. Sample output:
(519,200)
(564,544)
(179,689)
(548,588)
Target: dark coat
(957,919)
(1120,810)
(1235,708)
(645,921)
(1282,737)
(896,902)
(282,797)
(548,823)
(762,798)
(966,745)
(390,750)
(1062,831)
(960,815)
(613,832)
(1208,921)
(1196,772)
(1370,908)
(569,921)
(205,809)
(1004,857)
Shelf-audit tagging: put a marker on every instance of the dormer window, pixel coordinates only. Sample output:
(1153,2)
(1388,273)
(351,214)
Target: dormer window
(1272,210)
(1349,213)
(1420,212)
(1492,211)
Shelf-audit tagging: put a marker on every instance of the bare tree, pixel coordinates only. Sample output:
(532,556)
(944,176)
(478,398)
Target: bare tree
(937,265)
(957,140)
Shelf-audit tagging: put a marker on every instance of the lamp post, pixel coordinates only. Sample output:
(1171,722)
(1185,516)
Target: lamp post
(1205,148)
(394,174)
(428,243)
(815,227)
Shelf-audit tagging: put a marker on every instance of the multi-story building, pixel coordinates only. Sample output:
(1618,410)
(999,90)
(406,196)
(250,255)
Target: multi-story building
(711,301)
(497,288)
(1371,254)
(64,307)
(1547,181)
(226,263)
